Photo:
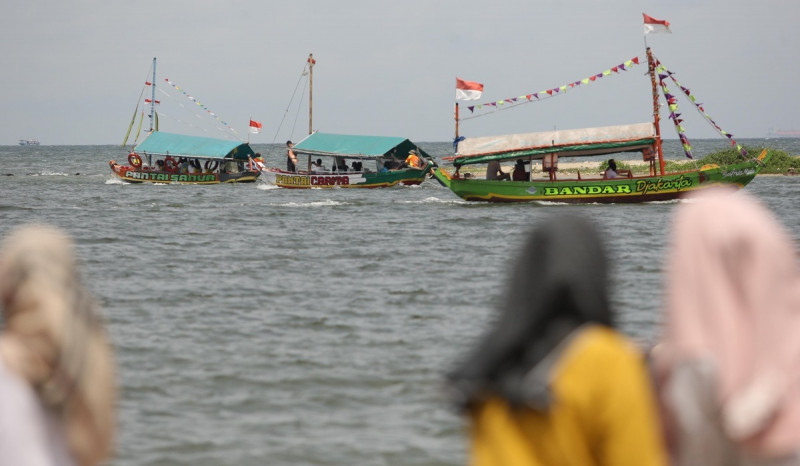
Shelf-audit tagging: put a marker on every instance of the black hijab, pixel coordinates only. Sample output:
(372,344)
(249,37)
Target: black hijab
(558,284)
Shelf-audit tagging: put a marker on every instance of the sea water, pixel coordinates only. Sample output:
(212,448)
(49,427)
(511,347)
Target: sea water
(310,327)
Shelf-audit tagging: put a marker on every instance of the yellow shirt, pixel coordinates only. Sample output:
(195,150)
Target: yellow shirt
(603,413)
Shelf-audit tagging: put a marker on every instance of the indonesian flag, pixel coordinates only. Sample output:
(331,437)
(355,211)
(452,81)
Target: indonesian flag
(468,90)
(255,127)
(655,25)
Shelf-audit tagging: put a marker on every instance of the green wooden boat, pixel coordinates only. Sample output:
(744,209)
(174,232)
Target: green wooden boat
(550,146)
(351,161)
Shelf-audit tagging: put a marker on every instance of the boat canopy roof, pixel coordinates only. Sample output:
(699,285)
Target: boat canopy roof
(353,146)
(567,143)
(178,145)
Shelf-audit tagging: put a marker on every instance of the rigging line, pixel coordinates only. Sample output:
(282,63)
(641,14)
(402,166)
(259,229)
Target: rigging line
(136,110)
(512,105)
(299,103)
(515,104)
(289,105)
(199,108)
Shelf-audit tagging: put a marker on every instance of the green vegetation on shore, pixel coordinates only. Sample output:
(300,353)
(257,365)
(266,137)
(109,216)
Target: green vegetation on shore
(780,162)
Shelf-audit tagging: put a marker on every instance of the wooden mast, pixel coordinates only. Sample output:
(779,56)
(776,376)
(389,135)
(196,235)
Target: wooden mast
(153,98)
(456,116)
(651,68)
(311,62)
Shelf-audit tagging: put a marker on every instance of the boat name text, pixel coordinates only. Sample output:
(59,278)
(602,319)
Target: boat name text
(167,177)
(594,189)
(742,172)
(314,180)
(646,186)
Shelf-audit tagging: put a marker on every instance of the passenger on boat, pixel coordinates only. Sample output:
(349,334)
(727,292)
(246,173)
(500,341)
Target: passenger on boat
(494,172)
(57,390)
(356,166)
(159,165)
(183,165)
(519,171)
(230,166)
(413,161)
(553,382)
(611,171)
(195,167)
(728,366)
(258,162)
(291,158)
(339,164)
(318,167)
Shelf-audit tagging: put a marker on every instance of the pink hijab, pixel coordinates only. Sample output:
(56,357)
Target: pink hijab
(732,298)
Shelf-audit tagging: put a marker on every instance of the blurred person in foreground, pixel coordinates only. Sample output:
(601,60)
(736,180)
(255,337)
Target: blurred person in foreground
(729,362)
(552,382)
(56,371)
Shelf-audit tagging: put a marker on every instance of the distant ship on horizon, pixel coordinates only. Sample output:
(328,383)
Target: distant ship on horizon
(782,133)
(28,142)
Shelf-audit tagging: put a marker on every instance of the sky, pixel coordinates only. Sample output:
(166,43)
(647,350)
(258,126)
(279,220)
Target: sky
(72,71)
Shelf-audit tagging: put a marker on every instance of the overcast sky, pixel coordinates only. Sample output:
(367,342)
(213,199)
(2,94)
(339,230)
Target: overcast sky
(72,70)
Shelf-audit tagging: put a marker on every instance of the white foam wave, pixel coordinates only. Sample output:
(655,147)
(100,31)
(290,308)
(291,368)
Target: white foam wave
(114,180)
(322,203)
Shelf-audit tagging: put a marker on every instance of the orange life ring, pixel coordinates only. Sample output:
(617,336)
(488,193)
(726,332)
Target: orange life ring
(211,165)
(170,164)
(134,160)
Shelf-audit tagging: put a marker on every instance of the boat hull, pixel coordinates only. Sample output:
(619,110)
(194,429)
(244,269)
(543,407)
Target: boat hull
(132,175)
(619,190)
(388,179)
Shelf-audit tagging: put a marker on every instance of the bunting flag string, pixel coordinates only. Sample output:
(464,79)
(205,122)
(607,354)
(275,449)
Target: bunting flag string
(672,102)
(200,104)
(663,74)
(552,92)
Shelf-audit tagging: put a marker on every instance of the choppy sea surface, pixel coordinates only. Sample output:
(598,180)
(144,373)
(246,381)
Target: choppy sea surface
(309,327)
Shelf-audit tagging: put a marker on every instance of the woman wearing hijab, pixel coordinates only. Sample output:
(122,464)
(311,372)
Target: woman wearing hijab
(56,370)
(553,383)
(730,359)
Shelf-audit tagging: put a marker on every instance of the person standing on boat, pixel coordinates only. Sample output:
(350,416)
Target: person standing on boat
(729,363)
(495,172)
(553,382)
(291,158)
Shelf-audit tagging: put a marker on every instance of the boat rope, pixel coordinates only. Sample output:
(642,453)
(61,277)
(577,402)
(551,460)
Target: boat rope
(299,103)
(663,74)
(202,106)
(515,102)
(136,110)
(289,105)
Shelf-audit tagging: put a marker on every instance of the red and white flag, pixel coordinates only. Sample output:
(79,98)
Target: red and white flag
(468,90)
(652,25)
(255,127)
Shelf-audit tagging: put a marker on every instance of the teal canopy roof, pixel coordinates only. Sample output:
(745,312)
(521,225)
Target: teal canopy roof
(356,146)
(178,145)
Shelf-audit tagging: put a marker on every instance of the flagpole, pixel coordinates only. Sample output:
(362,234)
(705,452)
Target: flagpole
(249,128)
(310,91)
